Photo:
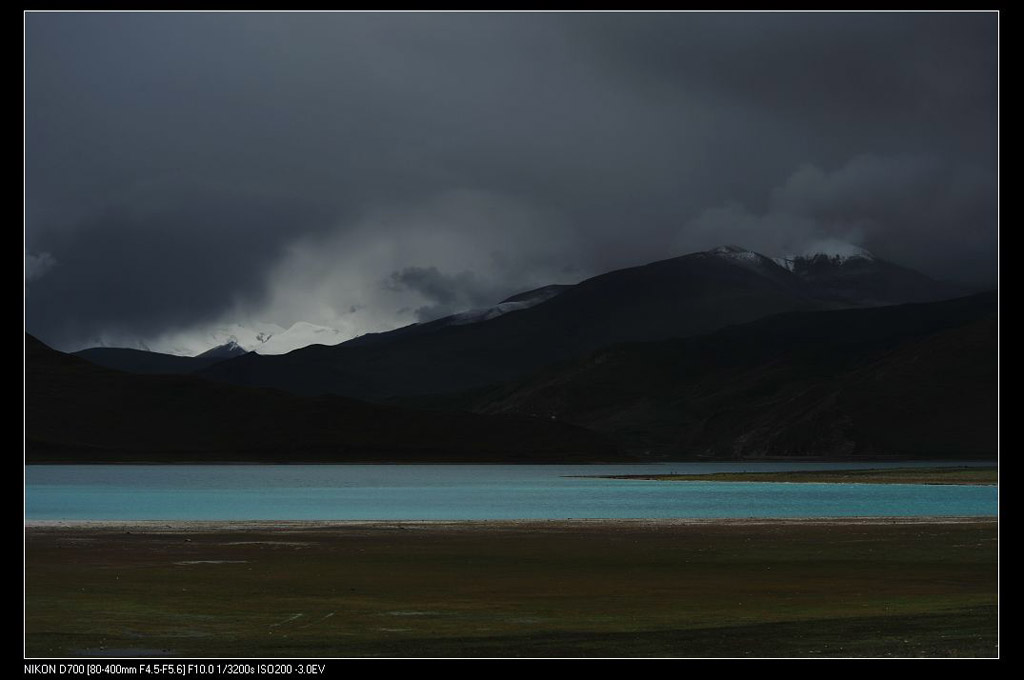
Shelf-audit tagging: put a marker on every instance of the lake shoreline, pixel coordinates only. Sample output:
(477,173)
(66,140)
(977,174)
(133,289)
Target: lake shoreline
(46,461)
(161,526)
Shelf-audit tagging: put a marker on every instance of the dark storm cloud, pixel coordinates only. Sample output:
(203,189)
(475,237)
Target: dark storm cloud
(136,272)
(914,210)
(783,91)
(611,140)
(862,67)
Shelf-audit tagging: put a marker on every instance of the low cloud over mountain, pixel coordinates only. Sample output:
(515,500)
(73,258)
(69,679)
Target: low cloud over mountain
(187,171)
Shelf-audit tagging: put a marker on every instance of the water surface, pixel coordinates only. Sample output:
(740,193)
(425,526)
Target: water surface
(470,492)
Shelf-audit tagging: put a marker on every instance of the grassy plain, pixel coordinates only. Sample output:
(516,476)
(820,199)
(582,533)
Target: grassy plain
(588,588)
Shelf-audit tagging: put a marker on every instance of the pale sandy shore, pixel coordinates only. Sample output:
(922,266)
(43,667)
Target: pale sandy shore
(156,526)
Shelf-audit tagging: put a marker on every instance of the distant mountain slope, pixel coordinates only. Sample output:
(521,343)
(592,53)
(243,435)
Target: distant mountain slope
(140,361)
(77,411)
(299,335)
(156,363)
(680,297)
(538,295)
(918,379)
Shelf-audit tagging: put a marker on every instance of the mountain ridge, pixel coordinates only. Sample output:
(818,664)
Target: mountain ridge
(79,412)
(678,297)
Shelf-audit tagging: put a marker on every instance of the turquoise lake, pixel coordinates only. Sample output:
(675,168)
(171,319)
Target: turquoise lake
(469,492)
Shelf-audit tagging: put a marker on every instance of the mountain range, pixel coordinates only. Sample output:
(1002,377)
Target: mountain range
(722,353)
(680,297)
(266,338)
(76,411)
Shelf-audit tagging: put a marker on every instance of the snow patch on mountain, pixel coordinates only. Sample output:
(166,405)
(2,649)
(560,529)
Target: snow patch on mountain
(251,336)
(512,304)
(744,258)
(192,343)
(833,248)
(486,313)
(225,351)
(539,295)
(830,250)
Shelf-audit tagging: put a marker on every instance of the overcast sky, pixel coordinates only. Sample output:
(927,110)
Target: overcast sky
(368,170)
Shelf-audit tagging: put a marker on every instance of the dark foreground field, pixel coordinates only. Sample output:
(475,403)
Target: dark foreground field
(505,589)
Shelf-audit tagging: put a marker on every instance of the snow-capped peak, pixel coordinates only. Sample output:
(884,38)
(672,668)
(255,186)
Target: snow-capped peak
(832,250)
(248,336)
(231,348)
(742,257)
(728,250)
